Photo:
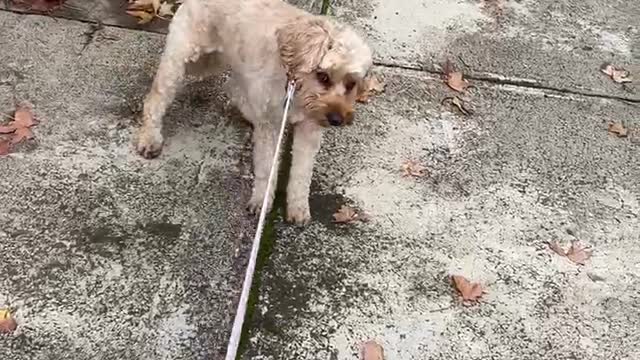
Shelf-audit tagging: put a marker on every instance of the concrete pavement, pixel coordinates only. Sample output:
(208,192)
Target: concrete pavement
(110,256)
(534,164)
(106,255)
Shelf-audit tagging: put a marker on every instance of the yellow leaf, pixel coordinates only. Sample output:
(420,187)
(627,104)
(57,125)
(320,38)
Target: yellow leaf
(5,314)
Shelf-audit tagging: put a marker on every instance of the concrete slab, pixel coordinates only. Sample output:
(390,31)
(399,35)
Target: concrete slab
(549,43)
(107,12)
(106,255)
(528,168)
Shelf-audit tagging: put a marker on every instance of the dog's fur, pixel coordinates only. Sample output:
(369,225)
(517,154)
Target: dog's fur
(264,43)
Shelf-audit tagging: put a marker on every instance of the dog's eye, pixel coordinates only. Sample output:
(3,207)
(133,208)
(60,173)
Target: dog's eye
(323,78)
(350,85)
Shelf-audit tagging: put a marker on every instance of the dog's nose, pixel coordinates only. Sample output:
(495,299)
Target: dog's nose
(334,118)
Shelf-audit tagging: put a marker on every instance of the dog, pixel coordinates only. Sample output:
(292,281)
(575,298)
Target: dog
(265,44)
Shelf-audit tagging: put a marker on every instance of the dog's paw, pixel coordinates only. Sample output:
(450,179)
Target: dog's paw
(149,143)
(299,215)
(255,204)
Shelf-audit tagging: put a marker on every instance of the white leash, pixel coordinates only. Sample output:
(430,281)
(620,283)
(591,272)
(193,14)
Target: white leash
(238,322)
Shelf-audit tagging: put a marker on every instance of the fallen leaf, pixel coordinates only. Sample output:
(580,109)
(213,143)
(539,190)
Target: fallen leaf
(21,134)
(456,82)
(618,75)
(143,16)
(166,9)
(372,86)
(371,350)
(618,129)
(23,117)
(557,248)
(5,147)
(469,291)
(345,214)
(447,68)
(145,5)
(23,120)
(6,129)
(578,253)
(7,323)
(413,168)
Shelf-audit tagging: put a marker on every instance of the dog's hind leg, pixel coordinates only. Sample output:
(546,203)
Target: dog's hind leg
(181,47)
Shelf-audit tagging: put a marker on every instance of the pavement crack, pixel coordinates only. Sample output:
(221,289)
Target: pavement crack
(90,34)
(505,80)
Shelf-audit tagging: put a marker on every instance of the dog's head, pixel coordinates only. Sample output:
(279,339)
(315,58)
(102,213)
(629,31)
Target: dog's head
(329,63)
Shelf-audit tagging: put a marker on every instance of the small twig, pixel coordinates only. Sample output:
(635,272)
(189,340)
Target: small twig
(441,309)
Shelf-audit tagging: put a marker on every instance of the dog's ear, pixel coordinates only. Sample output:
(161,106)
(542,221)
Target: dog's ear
(303,44)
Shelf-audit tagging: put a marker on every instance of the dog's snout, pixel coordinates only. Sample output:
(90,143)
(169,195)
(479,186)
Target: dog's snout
(335,119)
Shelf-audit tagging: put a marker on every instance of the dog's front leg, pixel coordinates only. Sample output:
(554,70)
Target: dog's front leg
(307,138)
(264,146)
(179,50)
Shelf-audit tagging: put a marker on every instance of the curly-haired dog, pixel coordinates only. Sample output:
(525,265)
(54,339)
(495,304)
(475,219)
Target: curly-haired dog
(264,43)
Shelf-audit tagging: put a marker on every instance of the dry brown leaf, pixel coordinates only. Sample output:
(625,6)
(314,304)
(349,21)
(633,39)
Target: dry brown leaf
(372,86)
(371,350)
(345,215)
(578,253)
(145,5)
(19,128)
(557,248)
(6,129)
(23,117)
(469,291)
(7,323)
(5,147)
(618,75)
(618,129)
(456,82)
(143,16)
(413,168)
(21,134)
